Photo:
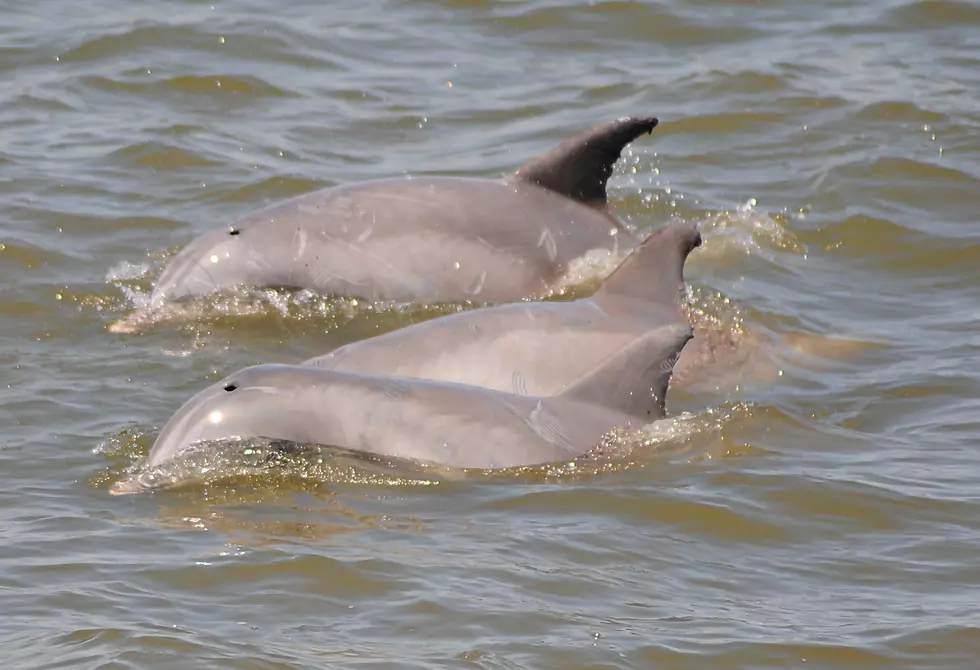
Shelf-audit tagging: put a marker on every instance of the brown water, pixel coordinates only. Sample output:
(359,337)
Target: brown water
(826,519)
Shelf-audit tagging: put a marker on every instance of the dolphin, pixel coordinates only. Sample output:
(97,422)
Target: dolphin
(428,239)
(454,425)
(538,348)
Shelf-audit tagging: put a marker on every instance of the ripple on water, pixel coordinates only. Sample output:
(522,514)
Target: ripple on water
(648,23)
(933,14)
(217,91)
(160,156)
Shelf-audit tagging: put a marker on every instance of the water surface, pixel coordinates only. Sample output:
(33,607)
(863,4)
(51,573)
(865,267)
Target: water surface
(825,519)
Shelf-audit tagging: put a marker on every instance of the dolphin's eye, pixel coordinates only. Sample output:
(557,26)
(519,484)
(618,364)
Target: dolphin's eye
(231,387)
(234,231)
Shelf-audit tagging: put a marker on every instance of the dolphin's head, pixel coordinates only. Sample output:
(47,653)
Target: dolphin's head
(263,401)
(219,259)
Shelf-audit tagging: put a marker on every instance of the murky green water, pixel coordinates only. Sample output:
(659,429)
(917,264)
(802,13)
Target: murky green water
(824,519)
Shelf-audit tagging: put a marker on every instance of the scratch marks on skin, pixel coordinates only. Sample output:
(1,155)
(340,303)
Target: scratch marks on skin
(301,238)
(547,240)
(548,426)
(478,283)
(269,390)
(256,261)
(396,389)
(450,209)
(202,265)
(318,271)
(667,365)
(519,383)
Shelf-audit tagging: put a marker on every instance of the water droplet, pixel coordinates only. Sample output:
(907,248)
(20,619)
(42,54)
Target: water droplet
(221,39)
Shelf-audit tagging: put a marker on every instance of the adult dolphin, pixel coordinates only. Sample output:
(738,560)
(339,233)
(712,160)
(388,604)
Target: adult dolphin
(539,348)
(431,239)
(455,425)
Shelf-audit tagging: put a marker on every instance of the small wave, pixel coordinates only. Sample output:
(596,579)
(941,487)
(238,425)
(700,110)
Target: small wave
(926,14)
(125,43)
(722,123)
(901,110)
(159,155)
(641,22)
(209,85)
(892,169)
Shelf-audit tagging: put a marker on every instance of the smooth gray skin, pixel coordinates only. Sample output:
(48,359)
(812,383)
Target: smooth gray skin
(431,239)
(456,425)
(537,348)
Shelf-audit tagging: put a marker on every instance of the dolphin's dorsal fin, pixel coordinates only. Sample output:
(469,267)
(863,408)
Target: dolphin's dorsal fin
(580,167)
(654,271)
(634,379)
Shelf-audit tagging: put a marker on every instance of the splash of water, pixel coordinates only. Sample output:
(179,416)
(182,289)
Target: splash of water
(748,231)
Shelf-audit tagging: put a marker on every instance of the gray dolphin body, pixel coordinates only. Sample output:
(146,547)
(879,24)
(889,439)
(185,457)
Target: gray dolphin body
(537,348)
(456,425)
(434,239)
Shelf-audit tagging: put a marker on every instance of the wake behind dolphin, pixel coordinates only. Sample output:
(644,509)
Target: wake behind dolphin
(431,239)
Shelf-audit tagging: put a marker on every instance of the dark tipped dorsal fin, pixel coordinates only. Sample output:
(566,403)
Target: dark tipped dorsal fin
(654,271)
(634,379)
(580,167)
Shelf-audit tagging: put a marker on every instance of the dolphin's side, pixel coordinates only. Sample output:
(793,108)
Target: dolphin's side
(537,348)
(455,425)
(434,239)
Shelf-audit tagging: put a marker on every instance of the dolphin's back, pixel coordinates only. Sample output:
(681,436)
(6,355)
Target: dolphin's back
(532,349)
(536,348)
(439,238)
